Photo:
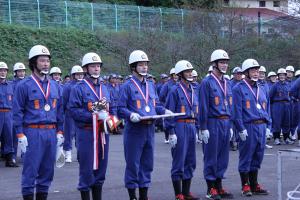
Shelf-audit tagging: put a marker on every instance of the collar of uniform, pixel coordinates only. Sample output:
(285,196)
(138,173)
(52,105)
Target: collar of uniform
(41,81)
(4,82)
(138,81)
(90,80)
(186,86)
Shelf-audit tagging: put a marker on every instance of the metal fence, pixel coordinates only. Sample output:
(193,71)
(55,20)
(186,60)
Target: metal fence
(93,16)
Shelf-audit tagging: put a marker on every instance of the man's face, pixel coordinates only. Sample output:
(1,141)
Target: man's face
(56,76)
(142,68)
(282,77)
(43,64)
(20,73)
(94,69)
(262,75)
(290,74)
(188,75)
(3,73)
(254,73)
(223,66)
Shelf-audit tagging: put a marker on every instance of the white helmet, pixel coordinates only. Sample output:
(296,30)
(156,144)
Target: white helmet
(290,68)
(219,54)
(3,65)
(236,70)
(19,66)
(271,74)
(297,73)
(211,68)
(172,71)
(281,71)
(55,70)
(194,73)
(38,50)
(249,63)
(262,69)
(138,56)
(182,65)
(91,58)
(76,69)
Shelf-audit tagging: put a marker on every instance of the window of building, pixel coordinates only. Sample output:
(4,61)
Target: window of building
(276,3)
(262,3)
(226,2)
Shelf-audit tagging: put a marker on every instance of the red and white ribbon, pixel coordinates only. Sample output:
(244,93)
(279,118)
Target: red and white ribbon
(96,135)
(94,89)
(46,95)
(257,92)
(224,89)
(146,98)
(190,100)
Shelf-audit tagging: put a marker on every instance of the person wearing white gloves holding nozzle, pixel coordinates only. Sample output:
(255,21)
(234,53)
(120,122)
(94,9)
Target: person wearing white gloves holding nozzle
(138,98)
(251,115)
(183,130)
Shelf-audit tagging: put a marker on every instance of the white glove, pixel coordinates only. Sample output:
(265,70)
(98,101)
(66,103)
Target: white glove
(168,112)
(60,139)
(173,140)
(205,136)
(134,117)
(243,135)
(23,143)
(231,134)
(268,133)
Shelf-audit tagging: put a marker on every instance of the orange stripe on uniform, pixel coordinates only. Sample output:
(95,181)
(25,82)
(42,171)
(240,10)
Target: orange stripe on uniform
(138,104)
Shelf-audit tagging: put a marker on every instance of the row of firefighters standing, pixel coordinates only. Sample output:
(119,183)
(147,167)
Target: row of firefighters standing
(39,108)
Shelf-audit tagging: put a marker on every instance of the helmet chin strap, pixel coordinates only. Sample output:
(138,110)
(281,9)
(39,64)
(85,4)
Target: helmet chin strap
(254,79)
(95,76)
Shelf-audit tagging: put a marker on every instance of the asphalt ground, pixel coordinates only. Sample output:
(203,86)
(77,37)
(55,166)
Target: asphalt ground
(66,179)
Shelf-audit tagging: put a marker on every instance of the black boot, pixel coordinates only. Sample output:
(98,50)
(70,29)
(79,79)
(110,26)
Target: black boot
(41,196)
(85,195)
(132,195)
(10,161)
(255,187)
(28,197)
(177,187)
(186,185)
(212,192)
(246,191)
(97,192)
(143,193)
(223,193)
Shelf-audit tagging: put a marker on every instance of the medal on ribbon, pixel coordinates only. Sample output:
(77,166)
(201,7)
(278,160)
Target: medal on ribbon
(45,94)
(145,97)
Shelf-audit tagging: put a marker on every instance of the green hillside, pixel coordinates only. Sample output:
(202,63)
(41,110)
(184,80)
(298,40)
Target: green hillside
(67,47)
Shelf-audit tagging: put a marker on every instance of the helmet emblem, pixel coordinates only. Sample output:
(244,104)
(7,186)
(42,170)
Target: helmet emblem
(95,58)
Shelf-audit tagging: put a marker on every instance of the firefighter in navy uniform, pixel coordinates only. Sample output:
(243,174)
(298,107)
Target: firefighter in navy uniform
(69,126)
(138,98)
(251,114)
(38,120)
(183,130)
(19,74)
(6,122)
(93,157)
(215,114)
